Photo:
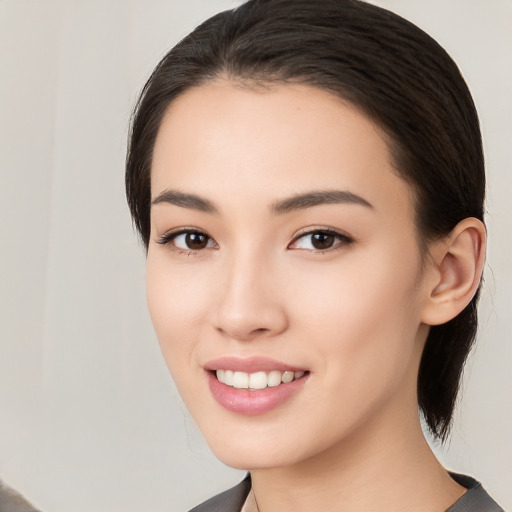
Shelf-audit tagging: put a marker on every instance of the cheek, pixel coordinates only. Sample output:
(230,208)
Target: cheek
(177,306)
(364,314)
(360,291)
(362,331)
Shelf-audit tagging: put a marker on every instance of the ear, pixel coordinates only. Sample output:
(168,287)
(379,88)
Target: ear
(454,272)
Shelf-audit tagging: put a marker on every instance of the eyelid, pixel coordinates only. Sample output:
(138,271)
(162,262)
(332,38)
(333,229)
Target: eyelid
(170,235)
(324,229)
(344,237)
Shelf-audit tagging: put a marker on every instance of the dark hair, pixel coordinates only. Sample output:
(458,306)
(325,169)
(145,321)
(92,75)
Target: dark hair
(394,73)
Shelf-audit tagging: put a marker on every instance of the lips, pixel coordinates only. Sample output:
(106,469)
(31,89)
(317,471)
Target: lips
(255,385)
(256,380)
(250,364)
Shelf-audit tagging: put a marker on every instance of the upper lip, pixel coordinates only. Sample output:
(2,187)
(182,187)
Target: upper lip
(250,364)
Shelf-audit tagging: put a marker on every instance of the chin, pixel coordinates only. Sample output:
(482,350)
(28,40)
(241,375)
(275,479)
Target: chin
(249,460)
(256,446)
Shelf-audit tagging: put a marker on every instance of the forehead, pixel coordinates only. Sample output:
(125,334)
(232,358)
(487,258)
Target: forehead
(223,138)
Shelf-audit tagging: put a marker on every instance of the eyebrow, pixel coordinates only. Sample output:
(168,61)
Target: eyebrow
(300,201)
(318,198)
(191,201)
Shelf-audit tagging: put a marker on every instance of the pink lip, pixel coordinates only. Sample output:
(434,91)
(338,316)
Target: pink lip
(250,364)
(252,402)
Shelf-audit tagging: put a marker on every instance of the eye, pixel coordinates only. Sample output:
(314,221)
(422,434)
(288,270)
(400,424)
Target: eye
(320,240)
(187,240)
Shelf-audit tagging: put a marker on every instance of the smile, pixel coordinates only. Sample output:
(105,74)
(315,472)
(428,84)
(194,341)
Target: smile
(257,380)
(254,385)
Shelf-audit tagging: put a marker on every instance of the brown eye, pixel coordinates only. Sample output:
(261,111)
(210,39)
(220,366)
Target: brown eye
(322,240)
(196,241)
(188,240)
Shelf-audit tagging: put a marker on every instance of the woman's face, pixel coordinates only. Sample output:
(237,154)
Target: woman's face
(283,247)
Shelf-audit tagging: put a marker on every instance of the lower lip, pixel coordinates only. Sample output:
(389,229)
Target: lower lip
(252,402)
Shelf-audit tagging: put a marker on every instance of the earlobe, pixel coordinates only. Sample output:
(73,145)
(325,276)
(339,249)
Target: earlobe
(457,265)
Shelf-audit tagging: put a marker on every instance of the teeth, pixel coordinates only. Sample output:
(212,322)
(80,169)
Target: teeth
(258,380)
(274,379)
(240,380)
(287,377)
(228,377)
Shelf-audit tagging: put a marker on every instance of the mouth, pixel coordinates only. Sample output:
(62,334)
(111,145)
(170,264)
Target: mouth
(254,385)
(257,380)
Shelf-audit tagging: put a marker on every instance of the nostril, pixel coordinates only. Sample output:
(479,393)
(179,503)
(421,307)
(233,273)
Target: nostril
(240,320)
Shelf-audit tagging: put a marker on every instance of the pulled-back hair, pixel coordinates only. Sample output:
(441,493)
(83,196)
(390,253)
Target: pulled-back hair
(391,71)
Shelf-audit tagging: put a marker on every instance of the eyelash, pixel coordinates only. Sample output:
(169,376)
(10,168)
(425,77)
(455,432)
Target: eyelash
(343,239)
(169,237)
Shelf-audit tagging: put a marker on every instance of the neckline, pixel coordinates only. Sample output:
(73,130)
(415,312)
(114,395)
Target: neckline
(475,494)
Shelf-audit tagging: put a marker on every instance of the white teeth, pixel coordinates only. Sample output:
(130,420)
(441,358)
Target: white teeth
(274,379)
(228,377)
(240,380)
(258,380)
(287,377)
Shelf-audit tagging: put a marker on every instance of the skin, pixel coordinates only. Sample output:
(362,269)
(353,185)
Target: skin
(355,316)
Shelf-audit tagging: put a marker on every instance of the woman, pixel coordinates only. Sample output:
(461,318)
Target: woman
(308,180)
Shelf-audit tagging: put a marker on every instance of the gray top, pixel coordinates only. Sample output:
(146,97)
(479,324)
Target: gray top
(475,499)
(12,501)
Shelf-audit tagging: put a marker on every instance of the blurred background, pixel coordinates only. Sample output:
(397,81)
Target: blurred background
(89,417)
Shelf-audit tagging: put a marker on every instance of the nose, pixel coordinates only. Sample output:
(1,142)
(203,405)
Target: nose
(251,305)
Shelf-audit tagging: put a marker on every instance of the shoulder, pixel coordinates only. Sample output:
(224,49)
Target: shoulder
(231,500)
(475,499)
(12,501)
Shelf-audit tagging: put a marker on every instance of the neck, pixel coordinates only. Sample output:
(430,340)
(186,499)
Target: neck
(387,466)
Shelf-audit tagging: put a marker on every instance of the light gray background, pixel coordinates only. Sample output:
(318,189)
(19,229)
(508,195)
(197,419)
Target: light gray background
(89,418)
